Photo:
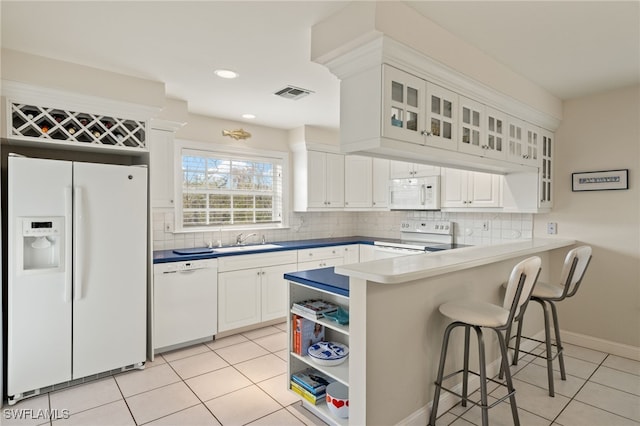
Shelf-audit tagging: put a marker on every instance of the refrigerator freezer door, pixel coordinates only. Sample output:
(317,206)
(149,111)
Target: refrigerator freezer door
(110,245)
(39,306)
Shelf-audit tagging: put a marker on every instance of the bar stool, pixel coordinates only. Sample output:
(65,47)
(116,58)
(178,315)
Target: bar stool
(546,294)
(477,314)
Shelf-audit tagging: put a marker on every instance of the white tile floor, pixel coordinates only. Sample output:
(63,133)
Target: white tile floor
(241,380)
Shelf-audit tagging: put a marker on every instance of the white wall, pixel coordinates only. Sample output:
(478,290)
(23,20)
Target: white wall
(601,132)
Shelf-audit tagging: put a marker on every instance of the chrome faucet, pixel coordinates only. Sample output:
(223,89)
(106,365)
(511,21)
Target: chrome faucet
(240,238)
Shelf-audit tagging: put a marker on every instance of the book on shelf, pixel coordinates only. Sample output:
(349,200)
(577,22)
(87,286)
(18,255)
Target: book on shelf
(312,380)
(314,399)
(305,333)
(314,307)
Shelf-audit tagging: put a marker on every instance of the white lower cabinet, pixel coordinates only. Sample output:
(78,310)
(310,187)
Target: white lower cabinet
(252,289)
(325,257)
(334,332)
(322,257)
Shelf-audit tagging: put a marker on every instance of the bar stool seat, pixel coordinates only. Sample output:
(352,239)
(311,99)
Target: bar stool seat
(480,315)
(547,290)
(546,294)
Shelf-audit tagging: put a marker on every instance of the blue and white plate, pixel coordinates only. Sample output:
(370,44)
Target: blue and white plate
(328,353)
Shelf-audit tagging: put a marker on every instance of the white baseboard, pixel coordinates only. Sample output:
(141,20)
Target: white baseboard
(447,400)
(597,344)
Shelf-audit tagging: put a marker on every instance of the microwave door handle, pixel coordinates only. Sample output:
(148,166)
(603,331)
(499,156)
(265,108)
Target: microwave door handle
(423,194)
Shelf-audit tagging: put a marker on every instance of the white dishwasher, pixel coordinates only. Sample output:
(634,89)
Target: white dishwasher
(185,302)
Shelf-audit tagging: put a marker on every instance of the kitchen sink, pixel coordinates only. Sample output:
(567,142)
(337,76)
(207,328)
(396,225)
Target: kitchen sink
(253,247)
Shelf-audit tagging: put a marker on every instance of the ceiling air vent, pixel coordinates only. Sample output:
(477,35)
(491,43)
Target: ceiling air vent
(292,92)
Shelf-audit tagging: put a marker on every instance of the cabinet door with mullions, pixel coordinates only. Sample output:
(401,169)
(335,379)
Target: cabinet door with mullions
(441,117)
(546,195)
(496,134)
(471,136)
(403,113)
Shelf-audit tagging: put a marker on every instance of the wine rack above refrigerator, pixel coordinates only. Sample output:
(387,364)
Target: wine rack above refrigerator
(61,126)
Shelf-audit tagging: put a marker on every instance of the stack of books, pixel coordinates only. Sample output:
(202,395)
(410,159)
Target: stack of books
(311,384)
(305,333)
(315,308)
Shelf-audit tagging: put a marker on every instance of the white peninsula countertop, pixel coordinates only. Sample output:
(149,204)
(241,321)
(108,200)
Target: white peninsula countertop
(414,267)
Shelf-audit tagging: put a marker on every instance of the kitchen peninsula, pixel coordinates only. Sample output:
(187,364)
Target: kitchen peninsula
(395,329)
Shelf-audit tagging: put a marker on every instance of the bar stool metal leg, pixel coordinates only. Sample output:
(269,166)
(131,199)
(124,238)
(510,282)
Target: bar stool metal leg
(465,373)
(484,405)
(438,383)
(547,341)
(559,348)
(507,373)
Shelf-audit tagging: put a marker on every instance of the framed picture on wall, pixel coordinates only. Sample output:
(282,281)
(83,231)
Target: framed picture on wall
(600,181)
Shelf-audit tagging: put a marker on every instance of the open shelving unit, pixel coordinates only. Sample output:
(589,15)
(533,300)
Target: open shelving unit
(333,332)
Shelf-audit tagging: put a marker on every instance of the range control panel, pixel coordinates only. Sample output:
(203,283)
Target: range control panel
(441,227)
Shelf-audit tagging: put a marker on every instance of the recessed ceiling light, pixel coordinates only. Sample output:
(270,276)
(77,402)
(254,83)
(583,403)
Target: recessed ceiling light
(248,116)
(226,73)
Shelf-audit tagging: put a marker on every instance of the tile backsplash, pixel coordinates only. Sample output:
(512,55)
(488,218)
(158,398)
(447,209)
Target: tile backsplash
(470,228)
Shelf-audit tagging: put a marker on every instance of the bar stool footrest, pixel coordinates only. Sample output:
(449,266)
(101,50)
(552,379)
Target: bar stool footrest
(558,351)
(467,399)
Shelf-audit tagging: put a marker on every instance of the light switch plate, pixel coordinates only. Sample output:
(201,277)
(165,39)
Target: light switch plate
(552,228)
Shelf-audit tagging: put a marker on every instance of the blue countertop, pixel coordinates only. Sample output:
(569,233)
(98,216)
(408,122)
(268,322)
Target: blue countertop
(324,279)
(165,256)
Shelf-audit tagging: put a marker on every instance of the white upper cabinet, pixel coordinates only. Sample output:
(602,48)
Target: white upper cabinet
(545,175)
(380,184)
(161,177)
(532,145)
(482,130)
(404,109)
(366,183)
(441,117)
(495,137)
(518,148)
(358,181)
(318,180)
(402,170)
(472,126)
(418,111)
(464,189)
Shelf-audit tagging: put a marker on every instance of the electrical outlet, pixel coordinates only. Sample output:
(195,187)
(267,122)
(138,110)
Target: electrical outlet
(552,228)
(485,226)
(168,227)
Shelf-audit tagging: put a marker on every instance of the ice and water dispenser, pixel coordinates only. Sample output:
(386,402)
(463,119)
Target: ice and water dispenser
(41,245)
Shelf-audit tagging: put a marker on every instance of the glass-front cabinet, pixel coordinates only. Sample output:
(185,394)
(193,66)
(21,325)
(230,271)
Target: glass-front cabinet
(545,173)
(523,143)
(532,145)
(403,106)
(441,117)
(472,117)
(418,111)
(495,135)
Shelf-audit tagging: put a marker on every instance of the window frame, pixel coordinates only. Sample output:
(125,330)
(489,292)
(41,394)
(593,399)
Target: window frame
(241,153)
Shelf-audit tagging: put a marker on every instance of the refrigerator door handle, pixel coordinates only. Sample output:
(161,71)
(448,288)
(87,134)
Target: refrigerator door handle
(77,246)
(68,214)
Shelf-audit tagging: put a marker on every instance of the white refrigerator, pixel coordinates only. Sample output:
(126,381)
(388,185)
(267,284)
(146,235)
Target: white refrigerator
(77,271)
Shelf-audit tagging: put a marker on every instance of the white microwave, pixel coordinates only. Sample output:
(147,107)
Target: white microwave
(415,193)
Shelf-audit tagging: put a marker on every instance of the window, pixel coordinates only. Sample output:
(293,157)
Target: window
(221,189)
